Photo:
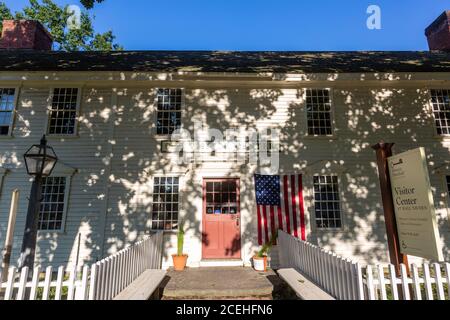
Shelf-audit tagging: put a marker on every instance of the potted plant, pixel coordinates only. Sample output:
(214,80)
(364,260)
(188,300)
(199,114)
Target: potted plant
(260,257)
(180,259)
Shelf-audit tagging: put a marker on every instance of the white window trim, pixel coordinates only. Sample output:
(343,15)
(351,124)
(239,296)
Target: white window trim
(180,210)
(14,111)
(68,173)
(160,137)
(77,112)
(332,112)
(429,110)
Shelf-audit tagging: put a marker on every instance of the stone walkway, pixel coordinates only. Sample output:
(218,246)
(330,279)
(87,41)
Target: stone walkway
(218,283)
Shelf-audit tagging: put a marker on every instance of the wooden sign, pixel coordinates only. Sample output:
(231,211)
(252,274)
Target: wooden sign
(414,206)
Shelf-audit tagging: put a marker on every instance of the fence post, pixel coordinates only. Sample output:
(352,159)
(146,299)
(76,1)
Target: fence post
(82,292)
(93,281)
(22,284)
(71,286)
(35,283)
(427,279)
(438,279)
(360,283)
(47,283)
(405,286)
(59,283)
(10,283)
(370,284)
(416,282)
(382,282)
(394,282)
(447,276)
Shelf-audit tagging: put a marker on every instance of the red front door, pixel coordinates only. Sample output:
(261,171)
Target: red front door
(221,236)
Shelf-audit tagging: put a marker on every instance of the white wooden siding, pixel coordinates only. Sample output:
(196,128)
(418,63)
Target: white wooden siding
(117,155)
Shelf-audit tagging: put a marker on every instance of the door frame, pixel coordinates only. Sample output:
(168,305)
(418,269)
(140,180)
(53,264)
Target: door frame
(238,200)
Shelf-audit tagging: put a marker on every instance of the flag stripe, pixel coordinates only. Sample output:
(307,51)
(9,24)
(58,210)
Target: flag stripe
(286,204)
(280,218)
(272,220)
(294,207)
(259,224)
(302,210)
(265,224)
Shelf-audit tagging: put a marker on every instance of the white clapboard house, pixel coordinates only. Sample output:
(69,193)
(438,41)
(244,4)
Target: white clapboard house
(110,118)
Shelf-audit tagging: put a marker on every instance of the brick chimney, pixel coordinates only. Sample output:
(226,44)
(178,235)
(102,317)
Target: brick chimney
(438,33)
(25,34)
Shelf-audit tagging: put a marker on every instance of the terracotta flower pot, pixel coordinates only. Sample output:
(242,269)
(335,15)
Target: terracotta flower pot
(260,263)
(179,262)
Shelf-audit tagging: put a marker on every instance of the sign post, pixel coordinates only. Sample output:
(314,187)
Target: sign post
(414,206)
(383,152)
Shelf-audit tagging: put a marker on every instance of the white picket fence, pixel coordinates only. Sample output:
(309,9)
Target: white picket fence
(425,283)
(341,278)
(345,279)
(102,281)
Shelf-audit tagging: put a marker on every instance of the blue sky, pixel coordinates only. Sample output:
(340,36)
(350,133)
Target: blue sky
(263,24)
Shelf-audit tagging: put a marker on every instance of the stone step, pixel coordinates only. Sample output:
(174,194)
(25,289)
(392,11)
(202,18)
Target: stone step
(217,283)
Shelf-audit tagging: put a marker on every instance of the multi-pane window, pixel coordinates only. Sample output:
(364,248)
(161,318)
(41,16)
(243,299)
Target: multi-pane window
(165,203)
(6,110)
(168,110)
(318,109)
(440,100)
(51,212)
(326,202)
(63,112)
(221,196)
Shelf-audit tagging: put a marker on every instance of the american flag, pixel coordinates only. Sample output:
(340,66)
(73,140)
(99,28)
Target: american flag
(279,202)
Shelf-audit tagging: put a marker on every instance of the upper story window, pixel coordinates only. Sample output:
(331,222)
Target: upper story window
(440,100)
(63,112)
(168,110)
(318,109)
(51,214)
(7,100)
(327,206)
(165,203)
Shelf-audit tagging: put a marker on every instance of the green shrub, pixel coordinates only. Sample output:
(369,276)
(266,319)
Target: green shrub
(265,249)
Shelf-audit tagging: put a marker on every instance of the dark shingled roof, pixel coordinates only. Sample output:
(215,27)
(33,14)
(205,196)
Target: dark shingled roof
(223,61)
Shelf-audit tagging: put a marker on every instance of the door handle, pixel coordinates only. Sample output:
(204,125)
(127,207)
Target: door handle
(237,221)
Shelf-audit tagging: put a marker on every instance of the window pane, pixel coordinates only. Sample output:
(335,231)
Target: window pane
(165,203)
(440,100)
(6,109)
(318,108)
(168,110)
(63,112)
(326,202)
(52,205)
